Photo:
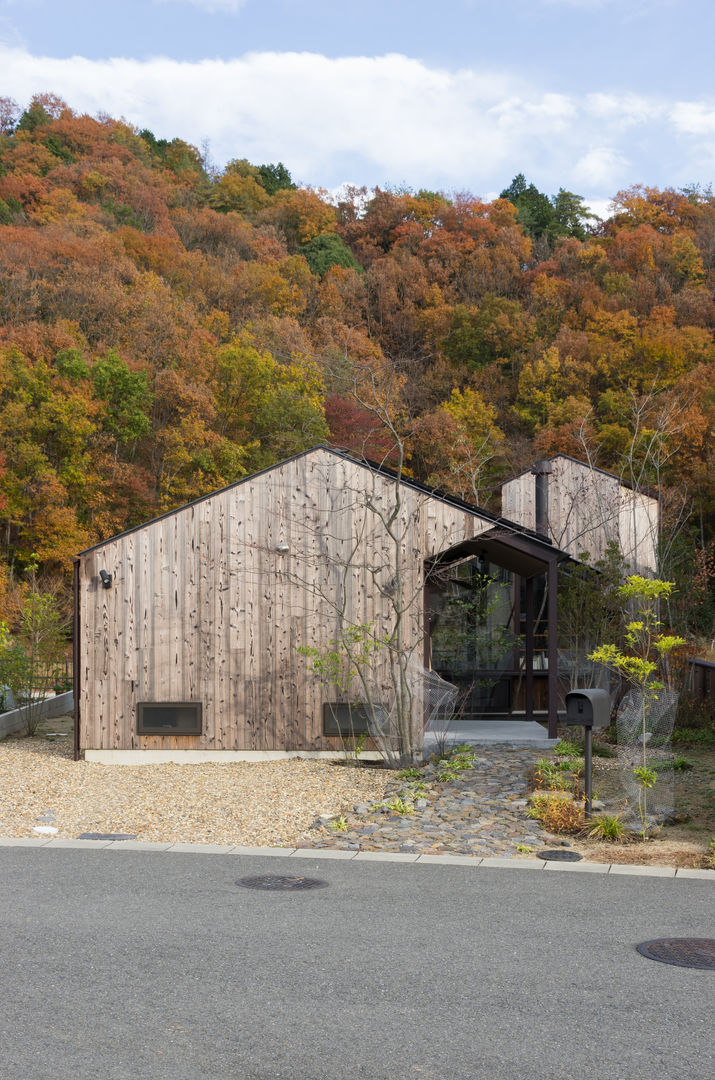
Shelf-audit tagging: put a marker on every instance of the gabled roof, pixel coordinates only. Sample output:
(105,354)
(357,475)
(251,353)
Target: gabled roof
(372,466)
(590,468)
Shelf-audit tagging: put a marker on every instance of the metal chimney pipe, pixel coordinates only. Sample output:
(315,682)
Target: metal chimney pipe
(542,470)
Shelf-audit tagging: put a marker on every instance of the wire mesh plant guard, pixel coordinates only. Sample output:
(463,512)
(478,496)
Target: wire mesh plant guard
(412,701)
(644,728)
(440,701)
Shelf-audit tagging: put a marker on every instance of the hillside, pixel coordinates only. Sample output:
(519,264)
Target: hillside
(165,329)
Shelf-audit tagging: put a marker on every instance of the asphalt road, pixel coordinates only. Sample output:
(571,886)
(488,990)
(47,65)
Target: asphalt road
(145,966)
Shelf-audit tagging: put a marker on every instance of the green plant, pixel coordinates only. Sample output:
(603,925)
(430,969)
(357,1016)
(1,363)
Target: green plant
(547,774)
(566,748)
(646,777)
(678,764)
(460,758)
(648,657)
(454,762)
(398,805)
(690,736)
(607,827)
(572,764)
(524,849)
(353,750)
(415,789)
(709,859)
(31,661)
(406,774)
(340,824)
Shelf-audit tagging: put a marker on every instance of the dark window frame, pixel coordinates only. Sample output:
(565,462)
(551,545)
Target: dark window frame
(147,728)
(344,719)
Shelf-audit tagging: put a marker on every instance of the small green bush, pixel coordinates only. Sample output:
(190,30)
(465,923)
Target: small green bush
(566,748)
(572,764)
(691,736)
(607,827)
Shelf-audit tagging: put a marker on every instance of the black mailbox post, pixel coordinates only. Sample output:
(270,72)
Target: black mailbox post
(588,709)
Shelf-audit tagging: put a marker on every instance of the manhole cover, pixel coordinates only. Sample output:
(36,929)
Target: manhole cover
(107,836)
(560,855)
(683,952)
(281,882)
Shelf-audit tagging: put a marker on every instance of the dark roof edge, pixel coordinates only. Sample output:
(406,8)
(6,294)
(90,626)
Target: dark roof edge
(373,466)
(650,492)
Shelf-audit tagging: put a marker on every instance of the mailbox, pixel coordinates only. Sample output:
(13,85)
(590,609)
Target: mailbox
(588,708)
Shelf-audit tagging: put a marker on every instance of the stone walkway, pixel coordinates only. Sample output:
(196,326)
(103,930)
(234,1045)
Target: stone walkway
(479,811)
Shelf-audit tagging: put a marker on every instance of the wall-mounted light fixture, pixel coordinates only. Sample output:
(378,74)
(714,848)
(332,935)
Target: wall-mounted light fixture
(106,579)
(282,548)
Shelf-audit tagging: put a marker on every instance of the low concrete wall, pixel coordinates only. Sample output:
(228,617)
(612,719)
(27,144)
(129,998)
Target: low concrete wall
(59,705)
(199,757)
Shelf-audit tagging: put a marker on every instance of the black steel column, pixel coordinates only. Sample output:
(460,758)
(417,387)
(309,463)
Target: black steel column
(75,656)
(529,649)
(551,588)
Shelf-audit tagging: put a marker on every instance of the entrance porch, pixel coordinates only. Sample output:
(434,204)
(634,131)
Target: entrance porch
(491,619)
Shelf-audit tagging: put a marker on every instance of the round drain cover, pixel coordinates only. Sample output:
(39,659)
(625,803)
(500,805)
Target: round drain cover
(281,882)
(560,855)
(683,952)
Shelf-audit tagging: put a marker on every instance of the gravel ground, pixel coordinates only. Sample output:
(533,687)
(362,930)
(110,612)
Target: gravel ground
(272,804)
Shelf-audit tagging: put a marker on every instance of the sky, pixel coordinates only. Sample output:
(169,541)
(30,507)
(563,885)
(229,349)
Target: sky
(458,95)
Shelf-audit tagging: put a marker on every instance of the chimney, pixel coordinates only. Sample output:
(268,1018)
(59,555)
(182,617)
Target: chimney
(542,470)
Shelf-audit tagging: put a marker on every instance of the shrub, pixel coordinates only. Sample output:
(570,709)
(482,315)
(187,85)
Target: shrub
(556,814)
(607,827)
(572,764)
(566,748)
(691,736)
(554,775)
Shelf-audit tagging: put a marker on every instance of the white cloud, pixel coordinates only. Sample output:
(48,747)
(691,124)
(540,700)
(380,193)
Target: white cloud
(388,119)
(600,168)
(602,208)
(624,110)
(694,118)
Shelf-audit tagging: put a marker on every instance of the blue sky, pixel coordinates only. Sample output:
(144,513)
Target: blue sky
(590,95)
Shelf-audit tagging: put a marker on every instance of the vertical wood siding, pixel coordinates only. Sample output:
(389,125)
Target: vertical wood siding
(587,510)
(203,608)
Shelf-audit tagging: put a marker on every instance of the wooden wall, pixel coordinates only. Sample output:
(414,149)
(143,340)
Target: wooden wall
(203,608)
(588,509)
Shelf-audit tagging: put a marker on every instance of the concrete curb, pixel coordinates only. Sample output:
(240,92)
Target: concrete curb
(616,869)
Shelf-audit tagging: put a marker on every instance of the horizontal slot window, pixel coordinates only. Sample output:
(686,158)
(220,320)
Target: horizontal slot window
(169,718)
(346,719)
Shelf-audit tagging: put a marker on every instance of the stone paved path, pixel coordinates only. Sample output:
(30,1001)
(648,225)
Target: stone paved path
(481,811)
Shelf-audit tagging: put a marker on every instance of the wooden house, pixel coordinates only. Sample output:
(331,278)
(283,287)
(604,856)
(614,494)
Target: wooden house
(191,631)
(582,509)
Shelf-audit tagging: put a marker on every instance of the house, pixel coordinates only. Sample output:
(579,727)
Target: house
(582,509)
(194,632)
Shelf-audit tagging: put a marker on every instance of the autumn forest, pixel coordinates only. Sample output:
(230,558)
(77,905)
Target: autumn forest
(167,327)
